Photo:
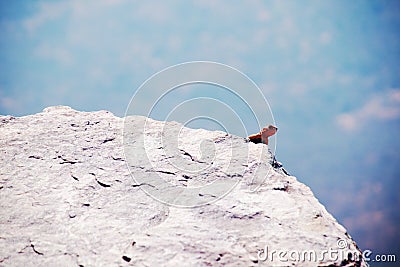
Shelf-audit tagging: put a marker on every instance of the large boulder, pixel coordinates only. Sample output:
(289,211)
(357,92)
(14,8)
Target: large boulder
(92,189)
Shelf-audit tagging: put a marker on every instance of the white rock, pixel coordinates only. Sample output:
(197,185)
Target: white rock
(68,198)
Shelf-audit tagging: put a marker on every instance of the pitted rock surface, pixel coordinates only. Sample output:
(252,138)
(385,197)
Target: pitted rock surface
(68,198)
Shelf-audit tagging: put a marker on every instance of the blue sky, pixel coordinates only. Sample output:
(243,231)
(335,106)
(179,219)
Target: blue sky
(329,70)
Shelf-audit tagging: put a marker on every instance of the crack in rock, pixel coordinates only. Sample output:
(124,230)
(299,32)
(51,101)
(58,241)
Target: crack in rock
(108,140)
(67,161)
(185,153)
(75,178)
(281,187)
(99,182)
(141,184)
(162,171)
(35,157)
(33,249)
(117,158)
(102,184)
(203,195)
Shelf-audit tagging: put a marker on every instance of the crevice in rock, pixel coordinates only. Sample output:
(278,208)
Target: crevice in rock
(186,177)
(108,140)
(187,154)
(246,216)
(283,188)
(75,178)
(117,158)
(67,161)
(165,172)
(203,195)
(35,157)
(5,258)
(101,183)
(233,175)
(141,184)
(34,250)
(126,258)
(191,157)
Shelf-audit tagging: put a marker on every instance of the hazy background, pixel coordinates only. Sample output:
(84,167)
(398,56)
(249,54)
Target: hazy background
(329,69)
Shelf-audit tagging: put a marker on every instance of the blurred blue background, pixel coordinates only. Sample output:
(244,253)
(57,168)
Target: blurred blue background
(329,69)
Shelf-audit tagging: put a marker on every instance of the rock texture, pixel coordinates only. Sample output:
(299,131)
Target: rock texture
(68,198)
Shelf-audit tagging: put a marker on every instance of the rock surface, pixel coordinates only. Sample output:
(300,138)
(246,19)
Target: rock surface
(68,198)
